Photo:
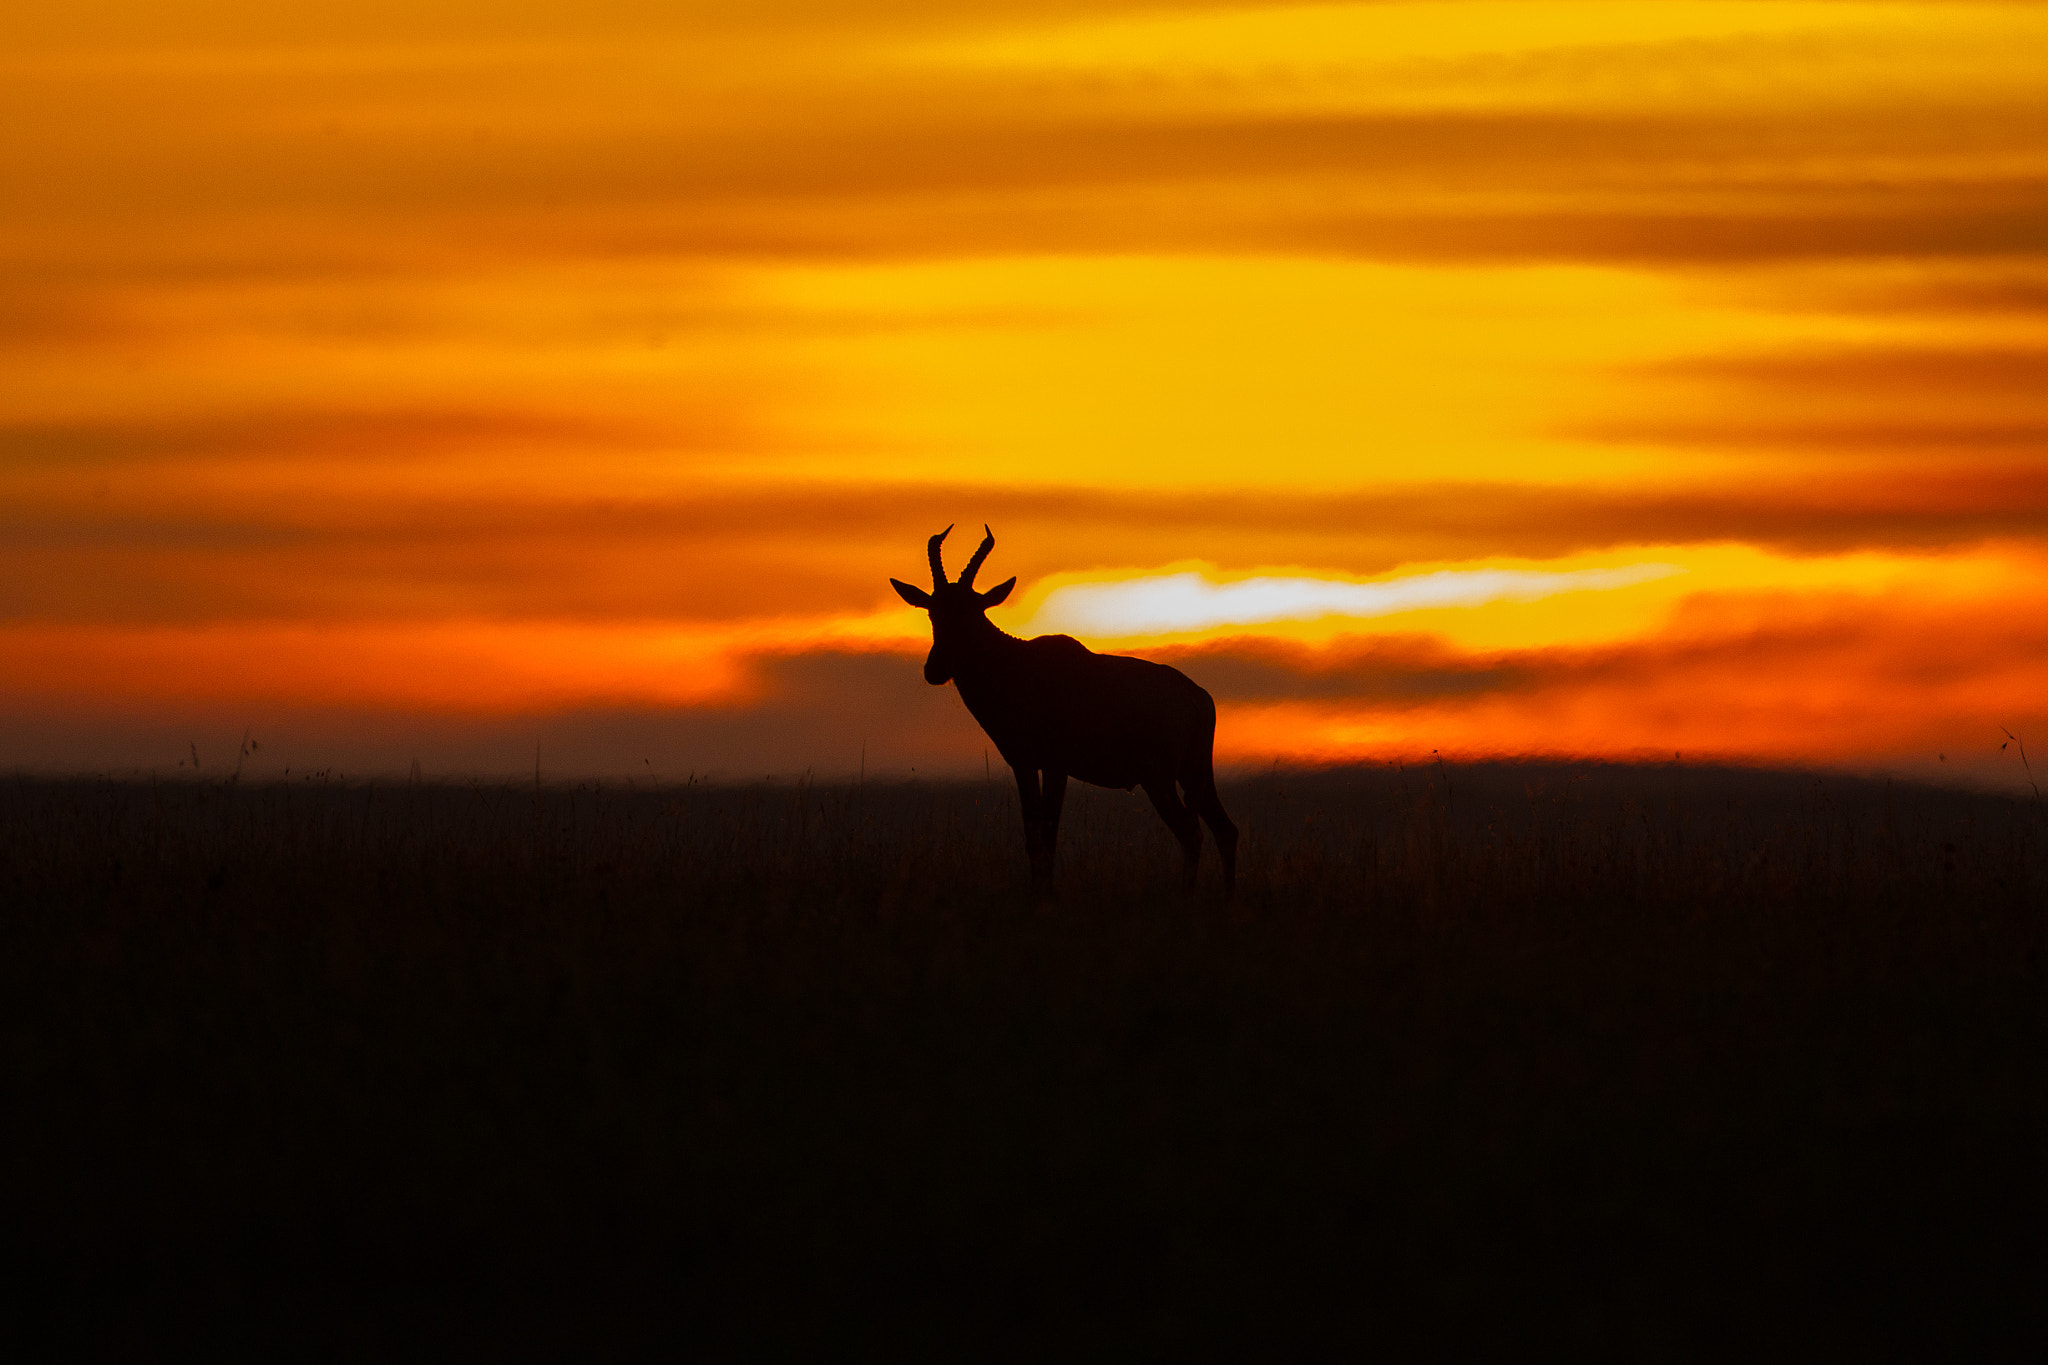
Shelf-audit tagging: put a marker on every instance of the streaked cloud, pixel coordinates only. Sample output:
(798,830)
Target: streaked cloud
(91,548)
(1899,681)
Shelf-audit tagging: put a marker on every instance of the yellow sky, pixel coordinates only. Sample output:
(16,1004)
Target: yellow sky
(416,380)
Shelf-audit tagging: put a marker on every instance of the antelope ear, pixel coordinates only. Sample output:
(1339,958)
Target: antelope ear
(997,593)
(917,597)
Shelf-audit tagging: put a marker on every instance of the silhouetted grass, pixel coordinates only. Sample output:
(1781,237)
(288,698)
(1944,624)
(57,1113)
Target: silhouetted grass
(1645,1059)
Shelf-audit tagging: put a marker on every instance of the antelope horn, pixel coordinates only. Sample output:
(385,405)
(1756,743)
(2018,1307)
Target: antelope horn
(988,542)
(938,569)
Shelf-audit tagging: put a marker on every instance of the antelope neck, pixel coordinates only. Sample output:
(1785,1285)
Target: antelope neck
(979,643)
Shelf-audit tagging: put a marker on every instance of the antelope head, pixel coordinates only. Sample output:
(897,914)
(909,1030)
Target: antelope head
(956,608)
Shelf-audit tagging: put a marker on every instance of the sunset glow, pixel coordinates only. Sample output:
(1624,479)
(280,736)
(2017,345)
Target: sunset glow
(435,382)
(1184,602)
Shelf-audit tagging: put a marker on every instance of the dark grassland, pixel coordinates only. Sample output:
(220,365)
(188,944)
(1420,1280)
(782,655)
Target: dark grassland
(1641,1060)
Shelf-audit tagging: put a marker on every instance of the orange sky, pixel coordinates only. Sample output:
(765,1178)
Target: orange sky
(435,381)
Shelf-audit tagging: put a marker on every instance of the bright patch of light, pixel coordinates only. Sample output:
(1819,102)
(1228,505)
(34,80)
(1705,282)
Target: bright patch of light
(1170,603)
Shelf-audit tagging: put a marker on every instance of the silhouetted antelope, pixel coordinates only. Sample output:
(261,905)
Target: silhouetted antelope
(1054,706)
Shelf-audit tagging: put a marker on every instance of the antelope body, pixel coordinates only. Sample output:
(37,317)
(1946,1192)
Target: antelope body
(1056,709)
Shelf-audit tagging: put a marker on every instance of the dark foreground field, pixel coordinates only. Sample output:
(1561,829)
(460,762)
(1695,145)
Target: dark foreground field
(1659,1061)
